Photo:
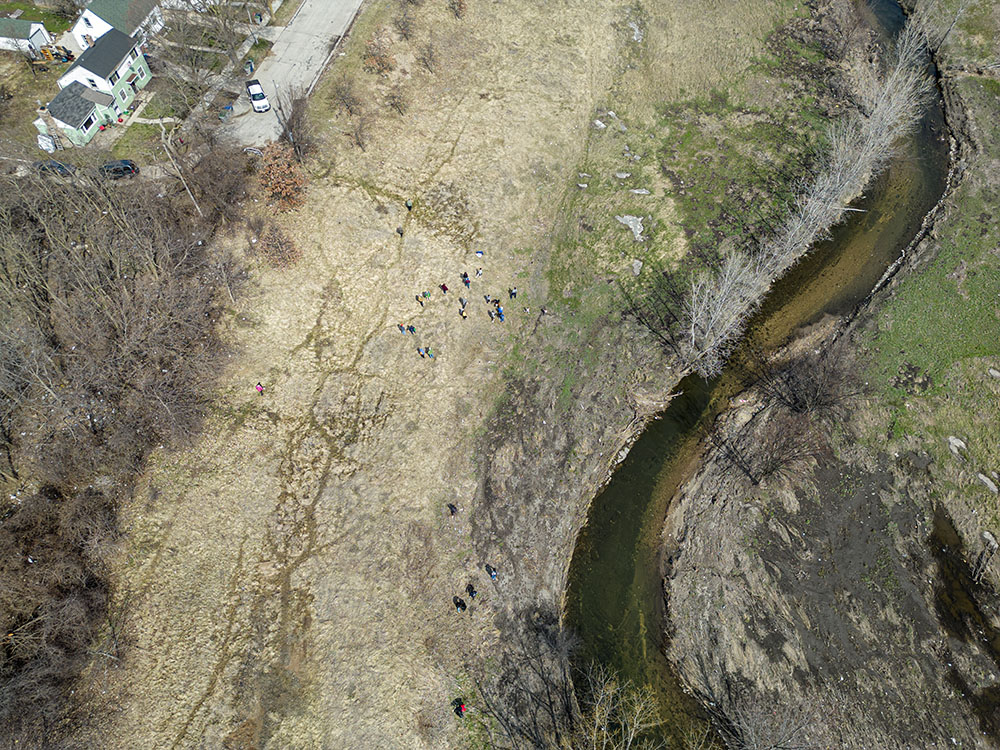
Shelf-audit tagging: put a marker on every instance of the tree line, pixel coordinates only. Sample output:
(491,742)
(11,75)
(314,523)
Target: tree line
(108,300)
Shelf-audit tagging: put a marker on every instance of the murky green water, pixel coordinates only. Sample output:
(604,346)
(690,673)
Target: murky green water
(614,599)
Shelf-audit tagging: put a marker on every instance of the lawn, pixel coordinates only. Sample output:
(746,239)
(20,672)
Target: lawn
(54,23)
(140,143)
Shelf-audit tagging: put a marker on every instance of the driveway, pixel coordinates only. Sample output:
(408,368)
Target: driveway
(298,56)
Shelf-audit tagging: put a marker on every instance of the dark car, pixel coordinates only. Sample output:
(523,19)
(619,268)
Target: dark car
(54,167)
(115,170)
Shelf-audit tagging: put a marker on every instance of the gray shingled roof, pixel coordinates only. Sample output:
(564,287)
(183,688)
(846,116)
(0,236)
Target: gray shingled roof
(70,107)
(105,54)
(124,15)
(15,28)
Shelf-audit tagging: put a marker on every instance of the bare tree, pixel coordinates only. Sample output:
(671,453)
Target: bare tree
(344,95)
(458,7)
(396,98)
(427,56)
(360,132)
(720,303)
(404,23)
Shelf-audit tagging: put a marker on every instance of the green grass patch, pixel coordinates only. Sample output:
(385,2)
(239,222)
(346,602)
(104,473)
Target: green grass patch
(258,51)
(54,23)
(140,142)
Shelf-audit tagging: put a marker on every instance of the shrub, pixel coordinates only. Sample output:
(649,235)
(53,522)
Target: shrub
(280,177)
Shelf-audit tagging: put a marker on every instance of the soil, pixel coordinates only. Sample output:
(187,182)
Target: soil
(289,575)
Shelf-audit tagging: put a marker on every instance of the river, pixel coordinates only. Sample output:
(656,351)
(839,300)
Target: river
(614,599)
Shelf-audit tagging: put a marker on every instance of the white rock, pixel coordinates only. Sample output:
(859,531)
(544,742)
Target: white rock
(636,31)
(636,267)
(989,483)
(994,372)
(640,191)
(581,185)
(635,224)
(622,175)
(956,444)
(599,125)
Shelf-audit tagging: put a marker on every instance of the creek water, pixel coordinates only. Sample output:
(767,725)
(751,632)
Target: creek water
(614,600)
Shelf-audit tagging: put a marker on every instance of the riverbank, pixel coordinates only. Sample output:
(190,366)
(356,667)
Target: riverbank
(288,580)
(839,589)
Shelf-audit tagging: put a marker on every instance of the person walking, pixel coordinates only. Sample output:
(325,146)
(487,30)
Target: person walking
(500,315)
(429,352)
(463,302)
(513,293)
(409,205)
(471,591)
(401,327)
(459,604)
(463,314)
(399,231)
(259,388)
(444,288)
(492,314)
(419,301)
(491,572)
(479,272)
(452,508)
(466,280)
(420,351)
(411,330)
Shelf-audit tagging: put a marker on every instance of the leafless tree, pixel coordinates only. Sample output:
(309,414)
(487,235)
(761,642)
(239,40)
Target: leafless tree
(427,56)
(773,444)
(720,303)
(396,98)
(107,309)
(360,132)
(344,95)
(458,7)
(404,23)
(527,698)
(296,129)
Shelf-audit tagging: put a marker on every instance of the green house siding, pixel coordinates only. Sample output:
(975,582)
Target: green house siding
(123,91)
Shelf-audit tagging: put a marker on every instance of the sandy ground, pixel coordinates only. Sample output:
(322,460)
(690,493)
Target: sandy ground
(291,572)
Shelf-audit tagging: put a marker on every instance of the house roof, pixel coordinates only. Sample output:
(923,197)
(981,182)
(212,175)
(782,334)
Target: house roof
(70,106)
(124,15)
(105,54)
(15,28)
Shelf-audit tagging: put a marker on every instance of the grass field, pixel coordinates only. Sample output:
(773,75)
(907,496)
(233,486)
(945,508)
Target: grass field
(939,334)
(55,24)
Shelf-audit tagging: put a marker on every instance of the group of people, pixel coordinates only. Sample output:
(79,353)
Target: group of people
(494,307)
(470,590)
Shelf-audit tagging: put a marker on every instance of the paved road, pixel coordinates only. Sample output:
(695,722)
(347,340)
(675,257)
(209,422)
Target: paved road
(296,60)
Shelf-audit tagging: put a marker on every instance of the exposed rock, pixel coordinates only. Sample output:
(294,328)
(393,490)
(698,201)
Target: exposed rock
(994,373)
(636,267)
(635,224)
(581,185)
(955,445)
(640,191)
(988,483)
(599,125)
(622,175)
(636,31)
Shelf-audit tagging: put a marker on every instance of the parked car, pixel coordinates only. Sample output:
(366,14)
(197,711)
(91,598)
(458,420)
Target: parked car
(51,166)
(258,100)
(115,170)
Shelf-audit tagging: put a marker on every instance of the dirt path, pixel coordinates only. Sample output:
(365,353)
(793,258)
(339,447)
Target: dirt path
(291,572)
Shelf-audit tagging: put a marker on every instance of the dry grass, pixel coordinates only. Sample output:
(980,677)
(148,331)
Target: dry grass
(300,556)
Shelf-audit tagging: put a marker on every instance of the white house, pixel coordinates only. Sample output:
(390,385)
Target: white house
(137,18)
(23,36)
